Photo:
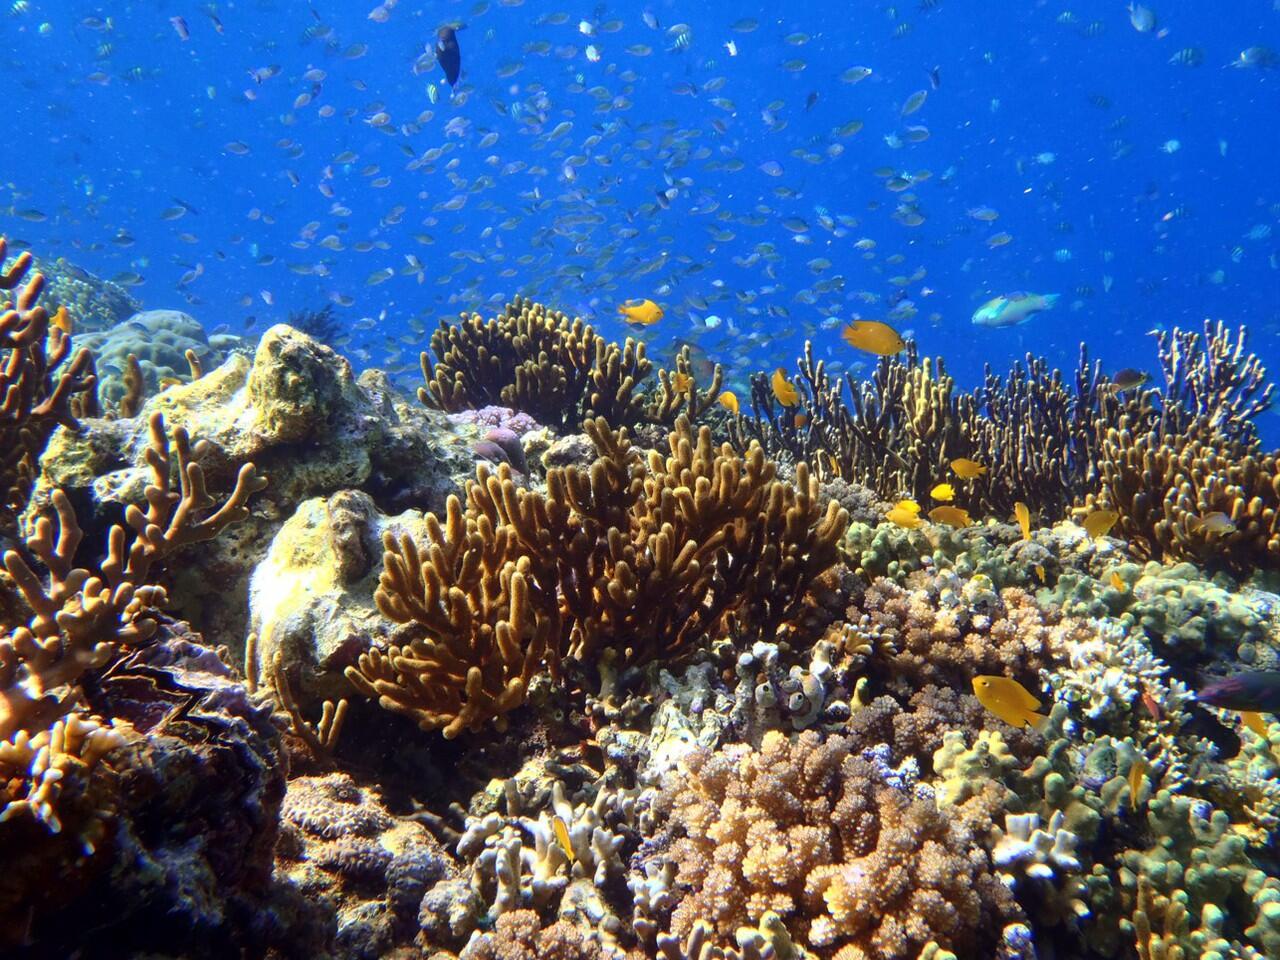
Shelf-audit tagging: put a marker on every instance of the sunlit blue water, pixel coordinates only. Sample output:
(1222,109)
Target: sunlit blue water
(1061,117)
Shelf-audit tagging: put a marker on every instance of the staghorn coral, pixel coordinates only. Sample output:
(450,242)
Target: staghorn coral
(639,556)
(855,867)
(34,399)
(557,370)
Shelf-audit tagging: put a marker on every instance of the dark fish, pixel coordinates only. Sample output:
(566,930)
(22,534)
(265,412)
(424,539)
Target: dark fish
(1202,723)
(1257,691)
(810,100)
(448,55)
(1129,379)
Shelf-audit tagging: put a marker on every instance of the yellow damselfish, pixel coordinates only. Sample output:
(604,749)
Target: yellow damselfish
(681,381)
(1098,522)
(943,491)
(951,516)
(906,513)
(646,312)
(967,469)
(1023,516)
(1137,771)
(1009,700)
(729,400)
(873,337)
(784,389)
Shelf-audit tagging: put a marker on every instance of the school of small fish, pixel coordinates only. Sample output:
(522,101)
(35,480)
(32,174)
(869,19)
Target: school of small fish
(404,168)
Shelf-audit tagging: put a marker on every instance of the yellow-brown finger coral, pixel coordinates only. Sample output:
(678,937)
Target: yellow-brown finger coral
(642,557)
(857,868)
(556,369)
(34,399)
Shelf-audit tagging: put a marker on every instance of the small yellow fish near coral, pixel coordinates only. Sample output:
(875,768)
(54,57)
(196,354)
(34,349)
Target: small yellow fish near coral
(562,835)
(1213,524)
(1009,700)
(967,469)
(62,320)
(943,491)
(1099,522)
(1137,770)
(729,400)
(905,513)
(873,337)
(951,516)
(1117,582)
(1023,515)
(645,313)
(681,381)
(1255,722)
(784,389)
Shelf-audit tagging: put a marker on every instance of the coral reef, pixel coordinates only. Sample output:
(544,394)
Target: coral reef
(856,867)
(634,559)
(155,343)
(557,370)
(683,708)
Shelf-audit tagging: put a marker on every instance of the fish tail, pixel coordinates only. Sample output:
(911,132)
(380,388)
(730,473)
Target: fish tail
(1050,299)
(1034,720)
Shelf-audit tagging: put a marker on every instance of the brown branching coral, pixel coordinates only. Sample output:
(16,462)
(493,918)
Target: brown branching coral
(899,431)
(855,868)
(81,616)
(1183,466)
(640,557)
(35,395)
(557,370)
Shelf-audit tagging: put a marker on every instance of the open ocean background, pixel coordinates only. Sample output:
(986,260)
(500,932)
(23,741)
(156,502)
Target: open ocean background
(214,168)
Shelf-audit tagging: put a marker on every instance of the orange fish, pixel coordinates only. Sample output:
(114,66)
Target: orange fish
(784,390)
(1009,700)
(62,320)
(645,313)
(681,381)
(943,492)
(1117,582)
(1040,573)
(562,835)
(729,401)
(951,516)
(873,337)
(967,469)
(1152,705)
(801,420)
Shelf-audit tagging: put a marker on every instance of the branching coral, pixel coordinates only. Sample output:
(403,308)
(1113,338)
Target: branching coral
(855,867)
(35,395)
(81,617)
(899,431)
(641,557)
(559,371)
(944,630)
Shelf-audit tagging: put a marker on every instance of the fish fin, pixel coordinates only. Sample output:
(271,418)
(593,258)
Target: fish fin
(1050,299)
(1034,720)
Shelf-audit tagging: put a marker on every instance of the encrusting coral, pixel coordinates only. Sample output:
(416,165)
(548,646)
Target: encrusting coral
(557,370)
(637,557)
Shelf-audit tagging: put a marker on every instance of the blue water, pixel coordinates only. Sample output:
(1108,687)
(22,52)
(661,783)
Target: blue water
(1060,117)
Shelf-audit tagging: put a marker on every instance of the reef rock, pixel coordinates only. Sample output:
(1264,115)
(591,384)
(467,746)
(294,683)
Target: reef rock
(311,598)
(295,410)
(185,816)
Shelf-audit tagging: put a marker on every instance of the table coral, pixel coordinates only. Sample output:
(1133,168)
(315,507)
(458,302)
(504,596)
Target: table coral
(855,868)
(641,556)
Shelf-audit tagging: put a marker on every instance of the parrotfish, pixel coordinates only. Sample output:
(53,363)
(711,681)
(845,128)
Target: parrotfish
(1012,309)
